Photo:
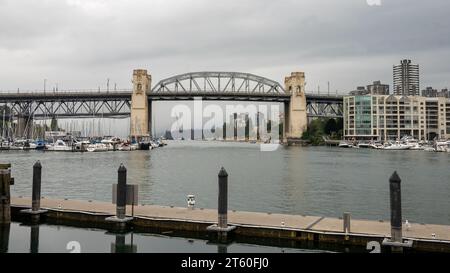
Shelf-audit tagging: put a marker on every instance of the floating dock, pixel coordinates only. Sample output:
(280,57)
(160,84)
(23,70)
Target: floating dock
(425,237)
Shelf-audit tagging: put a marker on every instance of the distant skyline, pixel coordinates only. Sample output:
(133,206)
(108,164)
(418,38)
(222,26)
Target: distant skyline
(81,43)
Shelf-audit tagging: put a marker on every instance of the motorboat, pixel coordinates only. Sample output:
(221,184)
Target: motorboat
(429,149)
(396,146)
(81,146)
(376,145)
(127,146)
(112,143)
(364,145)
(39,145)
(97,147)
(416,147)
(112,140)
(154,144)
(21,144)
(413,143)
(345,144)
(58,146)
(440,146)
(4,145)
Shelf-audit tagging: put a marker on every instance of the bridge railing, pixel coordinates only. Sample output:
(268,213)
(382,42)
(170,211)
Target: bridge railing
(63,92)
(325,95)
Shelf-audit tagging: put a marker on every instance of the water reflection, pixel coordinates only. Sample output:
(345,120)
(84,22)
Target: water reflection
(4,237)
(120,245)
(34,239)
(222,248)
(21,238)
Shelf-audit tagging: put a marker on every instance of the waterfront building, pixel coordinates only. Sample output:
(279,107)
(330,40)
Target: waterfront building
(406,79)
(390,117)
(438,118)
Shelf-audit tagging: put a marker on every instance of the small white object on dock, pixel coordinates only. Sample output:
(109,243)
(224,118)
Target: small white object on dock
(407,224)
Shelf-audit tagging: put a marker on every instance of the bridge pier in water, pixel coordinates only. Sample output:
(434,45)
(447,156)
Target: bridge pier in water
(24,127)
(295,110)
(140,105)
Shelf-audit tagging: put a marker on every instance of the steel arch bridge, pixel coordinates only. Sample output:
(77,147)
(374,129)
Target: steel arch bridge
(226,86)
(67,104)
(219,86)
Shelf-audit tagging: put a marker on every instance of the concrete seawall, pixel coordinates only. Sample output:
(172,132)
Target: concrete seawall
(426,238)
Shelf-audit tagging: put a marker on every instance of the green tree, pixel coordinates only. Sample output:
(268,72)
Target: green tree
(330,126)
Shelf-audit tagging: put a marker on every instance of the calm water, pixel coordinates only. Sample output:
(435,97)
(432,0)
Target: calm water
(55,239)
(295,180)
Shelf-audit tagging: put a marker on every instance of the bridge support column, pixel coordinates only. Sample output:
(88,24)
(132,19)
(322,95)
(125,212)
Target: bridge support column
(139,123)
(24,127)
(149,119)
(295,114)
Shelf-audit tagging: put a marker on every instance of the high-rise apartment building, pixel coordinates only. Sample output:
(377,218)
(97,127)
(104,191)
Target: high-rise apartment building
(406,79)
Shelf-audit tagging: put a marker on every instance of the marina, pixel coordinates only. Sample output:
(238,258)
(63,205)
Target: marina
(104,144)
(406,143)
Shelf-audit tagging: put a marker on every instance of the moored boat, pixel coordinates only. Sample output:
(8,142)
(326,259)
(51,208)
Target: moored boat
(97,147)
(345,144)
(396,146)
(58,146)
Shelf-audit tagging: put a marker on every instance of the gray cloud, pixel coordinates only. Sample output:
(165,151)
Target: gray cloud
(80,43)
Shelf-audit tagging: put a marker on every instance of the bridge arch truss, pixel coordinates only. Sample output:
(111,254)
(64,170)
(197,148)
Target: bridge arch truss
(218,85)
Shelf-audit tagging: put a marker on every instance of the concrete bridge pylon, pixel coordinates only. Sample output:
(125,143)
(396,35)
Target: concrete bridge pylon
(295,110)
(139,120)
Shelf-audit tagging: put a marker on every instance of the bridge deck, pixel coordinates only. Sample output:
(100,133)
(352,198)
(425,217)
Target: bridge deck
(126,94)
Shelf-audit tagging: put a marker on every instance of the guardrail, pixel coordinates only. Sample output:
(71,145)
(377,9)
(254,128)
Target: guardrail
(63,92)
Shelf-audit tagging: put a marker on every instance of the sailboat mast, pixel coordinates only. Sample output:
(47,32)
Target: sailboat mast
(3,122)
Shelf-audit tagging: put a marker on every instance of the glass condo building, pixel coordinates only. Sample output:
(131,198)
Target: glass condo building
(391,117)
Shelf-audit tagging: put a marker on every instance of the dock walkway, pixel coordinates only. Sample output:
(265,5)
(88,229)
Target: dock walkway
(253,220)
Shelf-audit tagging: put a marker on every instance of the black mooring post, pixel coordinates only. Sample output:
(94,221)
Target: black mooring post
(223,198)
(396,208)
(121,192)
(36,195)
(222,228)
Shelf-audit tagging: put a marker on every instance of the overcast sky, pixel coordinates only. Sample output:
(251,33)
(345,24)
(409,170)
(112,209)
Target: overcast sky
(81,43)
